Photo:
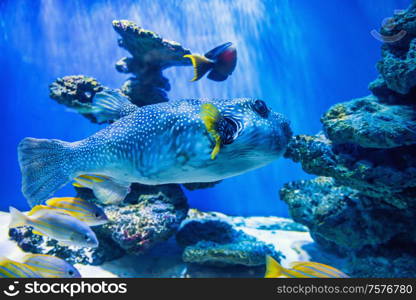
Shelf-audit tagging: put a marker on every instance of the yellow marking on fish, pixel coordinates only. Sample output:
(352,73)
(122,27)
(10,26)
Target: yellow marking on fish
(76,184)
(83,180)
(57,200)
(38,208)
(37,232)
(301,270)
(306,267)
(210,116)
(13,269)
(92,178)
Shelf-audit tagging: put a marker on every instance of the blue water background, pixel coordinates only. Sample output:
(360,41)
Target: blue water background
(300,56)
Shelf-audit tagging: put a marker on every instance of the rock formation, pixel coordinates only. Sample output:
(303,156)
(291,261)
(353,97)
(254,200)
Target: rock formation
(150,56)
(363,205)
(212,239)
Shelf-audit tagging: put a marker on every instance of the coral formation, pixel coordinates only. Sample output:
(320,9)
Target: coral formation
(364,207)
(76,92)
(150,56)
(371,124)
(152,215)
(212,239)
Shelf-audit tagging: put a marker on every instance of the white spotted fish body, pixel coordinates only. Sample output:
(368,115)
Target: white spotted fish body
(159,144)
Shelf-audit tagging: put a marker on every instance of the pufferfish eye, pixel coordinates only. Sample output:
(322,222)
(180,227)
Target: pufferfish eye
(71,273)
(261,108)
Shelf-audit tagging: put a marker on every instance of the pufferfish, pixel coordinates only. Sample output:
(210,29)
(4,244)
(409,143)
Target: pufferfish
(180,141)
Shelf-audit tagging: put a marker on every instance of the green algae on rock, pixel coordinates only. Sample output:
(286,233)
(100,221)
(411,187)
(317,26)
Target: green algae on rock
(249,253)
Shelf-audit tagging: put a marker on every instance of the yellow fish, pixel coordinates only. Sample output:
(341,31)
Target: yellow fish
(301,270)
(67,230)
(13,269)
(106,189)
(49,266)
(83,210)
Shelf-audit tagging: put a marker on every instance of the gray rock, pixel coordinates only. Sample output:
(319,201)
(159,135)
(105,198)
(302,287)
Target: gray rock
(380,89)
(365,210)
(400,266)
(371,124)
(152,214)
(76,92)
(150,56)
(211,239)
(398,63)
(249,253)
(389,174)
(344,218)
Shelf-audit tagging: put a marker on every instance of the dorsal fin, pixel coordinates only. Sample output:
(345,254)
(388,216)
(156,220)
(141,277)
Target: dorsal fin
(213,53)
(38,208)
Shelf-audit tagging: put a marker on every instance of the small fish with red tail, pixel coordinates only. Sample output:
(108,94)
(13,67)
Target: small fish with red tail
(220,62)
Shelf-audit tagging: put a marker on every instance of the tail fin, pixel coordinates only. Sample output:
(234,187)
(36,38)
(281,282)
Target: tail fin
(201,65)
(111,105)
(45,167)
(273,268)
(17,218)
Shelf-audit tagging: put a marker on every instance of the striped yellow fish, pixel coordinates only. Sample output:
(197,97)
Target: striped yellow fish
(106,189)
(301,270)
(13,269)
(49,266)
(67,230)
(83,210)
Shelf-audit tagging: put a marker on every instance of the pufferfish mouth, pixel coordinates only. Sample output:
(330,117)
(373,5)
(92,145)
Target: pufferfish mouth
(229,129)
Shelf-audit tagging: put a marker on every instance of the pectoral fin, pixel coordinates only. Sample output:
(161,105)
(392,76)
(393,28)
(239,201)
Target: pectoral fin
(110,105)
